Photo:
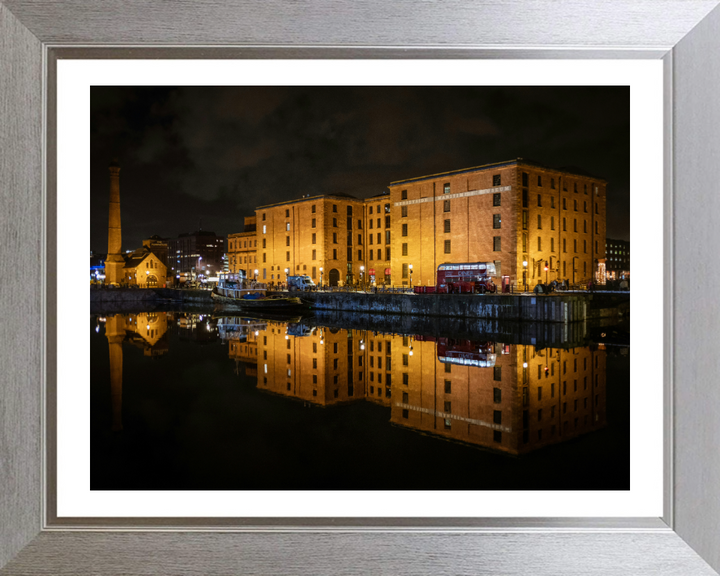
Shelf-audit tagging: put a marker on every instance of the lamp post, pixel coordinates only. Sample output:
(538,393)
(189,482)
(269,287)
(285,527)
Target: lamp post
(256,275)
(321,274)
(411,271)
(362,272)
(524,275)
(546,273)
(287,273)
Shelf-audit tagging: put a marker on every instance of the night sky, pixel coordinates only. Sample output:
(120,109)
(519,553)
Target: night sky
(212,154)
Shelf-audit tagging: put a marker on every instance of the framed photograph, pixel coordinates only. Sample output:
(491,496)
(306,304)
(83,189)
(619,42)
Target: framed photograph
(62,69)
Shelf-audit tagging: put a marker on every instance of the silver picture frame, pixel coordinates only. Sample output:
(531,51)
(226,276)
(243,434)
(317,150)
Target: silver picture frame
(684,34)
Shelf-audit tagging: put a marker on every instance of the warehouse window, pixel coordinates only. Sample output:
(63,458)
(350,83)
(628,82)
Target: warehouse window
(496,179)
(287,213)
(447,246)
(524,178)
(446,206)
(539,222)
(404,270)
(403,211)
(314,238)
(313,209)
(496,221)
(496,243)
(446,188)
(404,230)
(405,249)
(496,199)
(403,195)
(447,226)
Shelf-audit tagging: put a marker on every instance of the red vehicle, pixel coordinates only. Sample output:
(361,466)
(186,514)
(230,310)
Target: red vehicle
(470,278)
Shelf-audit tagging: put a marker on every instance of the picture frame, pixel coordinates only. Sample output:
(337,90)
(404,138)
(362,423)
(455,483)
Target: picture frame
(34,34)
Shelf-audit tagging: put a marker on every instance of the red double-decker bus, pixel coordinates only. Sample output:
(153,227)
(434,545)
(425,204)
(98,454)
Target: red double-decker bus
(466,277)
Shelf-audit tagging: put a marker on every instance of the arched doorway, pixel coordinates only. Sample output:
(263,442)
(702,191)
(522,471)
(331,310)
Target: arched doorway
(334,277)
(152,281)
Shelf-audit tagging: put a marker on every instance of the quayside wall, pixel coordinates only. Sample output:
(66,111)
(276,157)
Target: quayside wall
(521,308)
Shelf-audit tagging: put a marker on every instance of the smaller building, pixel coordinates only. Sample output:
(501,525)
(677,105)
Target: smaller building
(159,247)
(618,259)
(242,249)
(197,254)
(144,269)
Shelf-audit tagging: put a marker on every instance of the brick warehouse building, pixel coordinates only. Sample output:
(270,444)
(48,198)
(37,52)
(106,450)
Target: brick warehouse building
(242,249)
(508,213)
(317,236)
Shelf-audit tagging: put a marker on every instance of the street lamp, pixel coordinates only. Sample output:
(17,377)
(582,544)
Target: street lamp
(362,270)
(287,273)
(256,275)
(546,273)
(525,275)
(411,271)
(321,274)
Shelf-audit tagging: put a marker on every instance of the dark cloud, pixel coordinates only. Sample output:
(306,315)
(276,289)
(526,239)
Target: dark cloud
(218,152)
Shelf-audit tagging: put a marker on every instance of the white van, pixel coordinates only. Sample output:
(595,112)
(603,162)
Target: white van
(300,283)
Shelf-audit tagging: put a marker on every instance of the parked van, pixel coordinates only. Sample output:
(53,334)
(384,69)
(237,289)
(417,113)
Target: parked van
(300,283)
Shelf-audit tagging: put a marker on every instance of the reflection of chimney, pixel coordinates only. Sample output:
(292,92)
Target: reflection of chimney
(115,333)
(114,262)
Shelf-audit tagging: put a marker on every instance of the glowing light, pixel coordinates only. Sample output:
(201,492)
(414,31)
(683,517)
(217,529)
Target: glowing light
(525,365)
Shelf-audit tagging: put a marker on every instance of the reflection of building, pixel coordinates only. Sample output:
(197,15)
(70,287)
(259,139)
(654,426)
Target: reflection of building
(323,368)
(198,253)
(525,400)
(242,249)
(144,269)
(197,328)
(618,259)
(508,213)
(512,398)
(145,331)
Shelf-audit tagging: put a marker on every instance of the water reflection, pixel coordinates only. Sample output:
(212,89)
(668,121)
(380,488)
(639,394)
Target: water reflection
(513,398)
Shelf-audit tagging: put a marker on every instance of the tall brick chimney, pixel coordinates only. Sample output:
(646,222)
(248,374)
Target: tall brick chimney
(114,263)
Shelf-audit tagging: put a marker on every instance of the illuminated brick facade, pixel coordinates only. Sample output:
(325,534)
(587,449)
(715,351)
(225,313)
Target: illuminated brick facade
(306,235)
(507,213)
(242,249)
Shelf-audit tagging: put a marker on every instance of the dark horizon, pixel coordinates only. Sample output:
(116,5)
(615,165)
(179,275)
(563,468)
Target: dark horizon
(212,154)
